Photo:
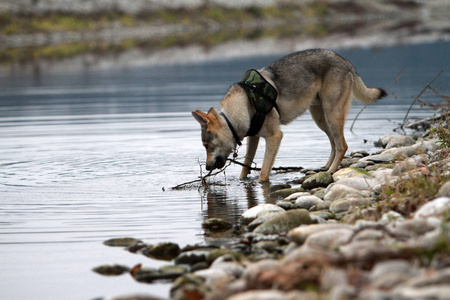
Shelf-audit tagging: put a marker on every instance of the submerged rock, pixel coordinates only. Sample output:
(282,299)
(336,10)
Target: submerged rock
(111,270)
(286,192)
(216,225)
(121,242)
(285,222)
(162,251)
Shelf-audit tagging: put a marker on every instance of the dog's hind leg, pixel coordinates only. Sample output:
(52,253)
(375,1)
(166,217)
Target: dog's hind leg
(252,145)
(318,116)
(335,104)
(272,145)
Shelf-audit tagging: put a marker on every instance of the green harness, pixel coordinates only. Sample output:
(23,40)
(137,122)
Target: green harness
(263,96)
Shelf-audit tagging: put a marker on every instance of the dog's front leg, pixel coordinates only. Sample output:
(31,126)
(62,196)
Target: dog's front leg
(272,145)
(252,145)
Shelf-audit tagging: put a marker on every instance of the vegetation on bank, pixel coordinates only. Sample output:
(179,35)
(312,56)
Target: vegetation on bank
(205,26)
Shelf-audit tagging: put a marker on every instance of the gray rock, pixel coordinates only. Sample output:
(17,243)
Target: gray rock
(342,205)
(324,205)
(328,240)
(259,295)
(347,173)
(362,164)
(444,190)
(318,192)
(263,218)
(385,139)
(433,209)
(307,202)
(400,141)
(286,192)
(296,195)
(360,184)
(404,152)
(347,162)
(284,222)
(286,205)
(426,286)
(340,191)
(332,277)
(321,179)
(361,152)
(426,146)
(300,234)
(380,158)
(407,165)
(259,210)
(388,274)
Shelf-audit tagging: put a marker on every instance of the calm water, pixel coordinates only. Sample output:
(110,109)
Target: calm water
(90,155)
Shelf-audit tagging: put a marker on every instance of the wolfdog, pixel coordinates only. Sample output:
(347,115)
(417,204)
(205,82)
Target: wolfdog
(317,79)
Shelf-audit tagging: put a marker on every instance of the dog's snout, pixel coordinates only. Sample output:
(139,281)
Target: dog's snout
(220,163)
(209,167)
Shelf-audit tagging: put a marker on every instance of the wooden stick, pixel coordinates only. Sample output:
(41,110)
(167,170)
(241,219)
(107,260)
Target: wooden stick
(418,96)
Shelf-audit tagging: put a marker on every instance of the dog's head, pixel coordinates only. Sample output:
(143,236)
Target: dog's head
(216,138)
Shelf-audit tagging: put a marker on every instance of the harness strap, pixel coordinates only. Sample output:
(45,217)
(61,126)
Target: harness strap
(235,135)
(263,96)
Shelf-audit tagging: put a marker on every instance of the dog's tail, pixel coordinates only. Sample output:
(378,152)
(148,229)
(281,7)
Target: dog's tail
(364,94)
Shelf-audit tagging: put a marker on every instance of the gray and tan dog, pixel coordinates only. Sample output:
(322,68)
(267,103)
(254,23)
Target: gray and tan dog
(318,80)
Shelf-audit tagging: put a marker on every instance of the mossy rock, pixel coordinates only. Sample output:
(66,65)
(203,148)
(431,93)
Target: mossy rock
(285,222)
(321,179)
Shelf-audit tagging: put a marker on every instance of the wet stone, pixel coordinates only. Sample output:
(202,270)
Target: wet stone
(111,270)
(121,242)
(286,192)
(162,251)
(192,257)
(321,179)
(134,248)
(277,187)
(216,225)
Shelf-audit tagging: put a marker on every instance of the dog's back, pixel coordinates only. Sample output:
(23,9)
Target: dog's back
(299,77)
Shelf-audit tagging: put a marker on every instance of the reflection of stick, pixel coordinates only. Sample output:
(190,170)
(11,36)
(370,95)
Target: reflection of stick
(418,96)
(202,179)
(364,107)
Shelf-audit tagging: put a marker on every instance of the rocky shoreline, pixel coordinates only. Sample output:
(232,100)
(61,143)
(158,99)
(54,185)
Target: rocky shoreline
(378,228)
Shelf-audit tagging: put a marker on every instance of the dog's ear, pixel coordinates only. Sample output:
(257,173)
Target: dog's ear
(201,117)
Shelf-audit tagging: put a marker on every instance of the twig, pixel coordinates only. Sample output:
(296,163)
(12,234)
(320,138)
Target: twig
(418,96)
(202,179)
(388,88)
